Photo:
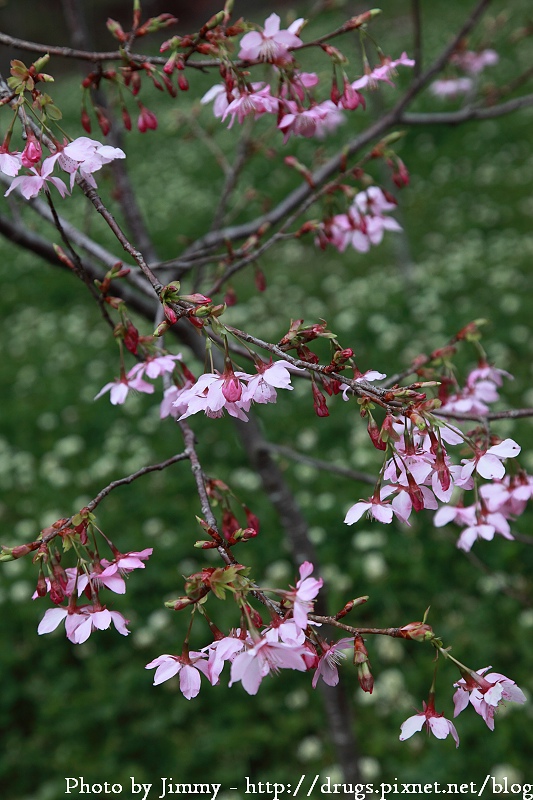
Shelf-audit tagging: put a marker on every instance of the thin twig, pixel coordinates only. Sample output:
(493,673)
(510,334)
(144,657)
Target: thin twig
(317,463)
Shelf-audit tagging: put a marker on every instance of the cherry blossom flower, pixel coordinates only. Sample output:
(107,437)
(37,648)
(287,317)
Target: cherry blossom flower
(330,118)
(154,366)
(451,87)
(261,388)
(120,388)
(31,185)
(255,103)
(251,666)
(207,395)
(509,496)
(383,72)
(306,590)
(486,692)
(485,527)
(473,62)
(365,222)
(351,99)
(81,621)
(188,667)
(127,562)
(297,83)
(98,578)
(331,656)
(271,44)
(171,405)
(111,576)
(219,93)
(459,514)
(308,122)
(86,156)
(223,650)
(485,372)
(374,201)
(436,723)
(488,464)
(288,631)
(376,508)
(406,498)
(110,573)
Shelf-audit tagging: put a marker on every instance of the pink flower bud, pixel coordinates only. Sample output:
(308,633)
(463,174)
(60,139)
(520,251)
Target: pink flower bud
(319,402)
(147,120)
(32,152)
(85,121)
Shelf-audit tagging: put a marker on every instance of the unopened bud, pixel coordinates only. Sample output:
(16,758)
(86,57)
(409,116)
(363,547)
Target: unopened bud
(116,30)
(365,677)
(161,329)
(41,62)
(358,601)
(419,631)
(179,604)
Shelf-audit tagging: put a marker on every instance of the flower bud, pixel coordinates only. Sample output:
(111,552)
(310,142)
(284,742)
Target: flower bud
(179,604)
(358,601)
(419,631)
(85,121)
(365,677)
(116,30)
(319,402)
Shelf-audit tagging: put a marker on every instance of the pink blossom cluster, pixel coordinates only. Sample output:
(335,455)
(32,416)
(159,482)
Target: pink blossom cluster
(82,157)
(232,391)
(297,111)
(480,389)
(419,473)
(81,620)
(284,644)
(484,692)
(470,62)
(363,225)
(416,475)
(505,496)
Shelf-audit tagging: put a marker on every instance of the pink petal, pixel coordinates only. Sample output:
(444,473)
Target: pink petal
(412,725)
(189,681)
(489,466)
(165,671)
(52,618)
(356,512)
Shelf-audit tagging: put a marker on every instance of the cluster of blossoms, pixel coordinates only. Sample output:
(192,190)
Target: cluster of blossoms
(363,225)
(233,391)
(418,471)
(213,392)
(296,110)
(505,496)
(81,620)
(471,64)
(291,641)
(484,692)
(82,157)
(284,644)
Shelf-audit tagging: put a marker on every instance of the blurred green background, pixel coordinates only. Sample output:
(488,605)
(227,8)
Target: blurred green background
(90,710)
